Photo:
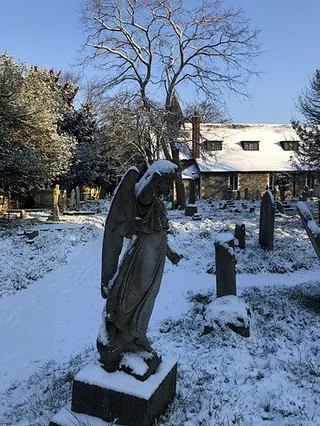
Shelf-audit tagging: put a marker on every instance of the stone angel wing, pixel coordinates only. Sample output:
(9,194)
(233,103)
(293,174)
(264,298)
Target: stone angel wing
(119,224)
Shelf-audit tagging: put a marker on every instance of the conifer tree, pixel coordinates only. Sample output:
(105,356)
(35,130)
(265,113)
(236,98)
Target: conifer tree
(308,155)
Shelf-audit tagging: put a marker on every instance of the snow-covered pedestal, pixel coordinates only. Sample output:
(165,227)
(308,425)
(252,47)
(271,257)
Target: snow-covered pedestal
(190,210)
(119,396)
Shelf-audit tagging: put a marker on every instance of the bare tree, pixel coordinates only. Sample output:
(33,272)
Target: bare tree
(158,47)
(207,112)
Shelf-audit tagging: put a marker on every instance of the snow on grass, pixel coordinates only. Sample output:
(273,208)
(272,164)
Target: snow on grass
(223,379)
(270,378)
(24,261)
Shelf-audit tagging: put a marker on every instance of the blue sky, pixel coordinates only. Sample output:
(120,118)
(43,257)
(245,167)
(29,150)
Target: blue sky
(48,33)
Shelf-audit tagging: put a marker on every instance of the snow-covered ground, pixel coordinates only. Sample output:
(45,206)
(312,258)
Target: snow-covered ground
(50,308)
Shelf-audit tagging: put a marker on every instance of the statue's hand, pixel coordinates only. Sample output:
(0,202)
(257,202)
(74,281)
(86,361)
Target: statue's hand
(175,259)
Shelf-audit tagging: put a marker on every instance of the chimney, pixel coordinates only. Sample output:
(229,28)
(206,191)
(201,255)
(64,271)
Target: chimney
(196,135)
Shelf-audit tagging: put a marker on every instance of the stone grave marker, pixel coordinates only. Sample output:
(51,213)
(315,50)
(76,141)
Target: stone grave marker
(72,201)
(225,265)
(191,208)
(55,195)
(246,193)
(240,234)
(266,225)
(310,226)
(64,201)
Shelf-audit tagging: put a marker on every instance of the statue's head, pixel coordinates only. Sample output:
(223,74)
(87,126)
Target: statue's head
(166,171)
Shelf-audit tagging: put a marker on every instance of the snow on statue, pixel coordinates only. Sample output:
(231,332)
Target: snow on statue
(134,250)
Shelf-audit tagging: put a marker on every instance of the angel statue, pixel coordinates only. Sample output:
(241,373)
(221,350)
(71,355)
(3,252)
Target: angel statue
(135,246)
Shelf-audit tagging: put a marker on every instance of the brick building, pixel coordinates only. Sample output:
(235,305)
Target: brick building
(228,159)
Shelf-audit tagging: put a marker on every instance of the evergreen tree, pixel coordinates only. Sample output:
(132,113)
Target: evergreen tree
(308,155)
(81,124)
(33,153)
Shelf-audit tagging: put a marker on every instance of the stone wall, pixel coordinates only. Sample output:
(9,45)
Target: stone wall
(255,182)
(215,185)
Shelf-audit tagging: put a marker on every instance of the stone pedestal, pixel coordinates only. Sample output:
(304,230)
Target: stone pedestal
(120,397)
(190,209)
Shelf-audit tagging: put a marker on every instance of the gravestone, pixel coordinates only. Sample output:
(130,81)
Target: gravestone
(240,234)
(55,195)
(280,206)
(258,194)
(238,194)
(310,226)
(266,225)
(225,265)
(72,200)
(190,210)
(316,190)
(305,193)
(246,193)
(77,198)
(55,213)
(64,201)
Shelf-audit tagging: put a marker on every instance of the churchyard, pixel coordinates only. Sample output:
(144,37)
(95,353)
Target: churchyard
(50,308)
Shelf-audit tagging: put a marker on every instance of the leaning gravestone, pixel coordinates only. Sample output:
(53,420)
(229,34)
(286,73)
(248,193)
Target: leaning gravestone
(131,384)
(310,226)
(225,265)
(267,216)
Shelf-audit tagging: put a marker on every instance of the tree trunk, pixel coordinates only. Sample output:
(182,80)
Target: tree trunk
(181,194)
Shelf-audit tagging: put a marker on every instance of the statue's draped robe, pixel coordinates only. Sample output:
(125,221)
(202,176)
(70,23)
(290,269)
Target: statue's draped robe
(136,285)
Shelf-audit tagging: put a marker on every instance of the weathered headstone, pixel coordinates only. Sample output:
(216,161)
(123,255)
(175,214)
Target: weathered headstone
(238,194)
(55,213)
(305,193)
(246,193)
(280,206)
(310,226)
(64,201)
(55,195)
(258,194)
(316,190)
(225,265)
(240,234)
(267,216)
(72,201)
(77,198)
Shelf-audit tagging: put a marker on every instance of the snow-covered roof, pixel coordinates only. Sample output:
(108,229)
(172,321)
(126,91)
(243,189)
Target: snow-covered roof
(270,156)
